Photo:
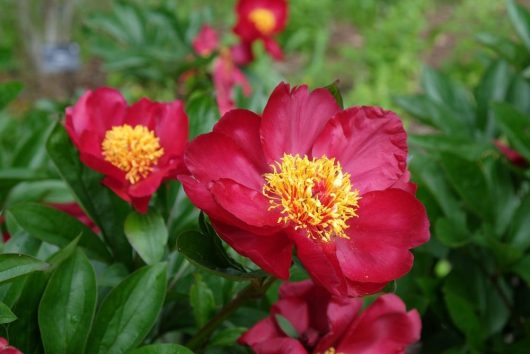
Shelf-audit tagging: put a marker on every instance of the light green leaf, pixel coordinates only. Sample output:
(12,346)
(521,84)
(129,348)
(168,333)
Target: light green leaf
(147,234)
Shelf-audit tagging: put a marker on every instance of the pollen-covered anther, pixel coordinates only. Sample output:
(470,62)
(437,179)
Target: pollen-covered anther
(263,19)
(134,150)
(313,194)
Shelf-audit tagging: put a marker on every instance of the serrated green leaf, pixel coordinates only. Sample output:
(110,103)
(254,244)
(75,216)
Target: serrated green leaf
(147,234)
(129,311)
(68,305)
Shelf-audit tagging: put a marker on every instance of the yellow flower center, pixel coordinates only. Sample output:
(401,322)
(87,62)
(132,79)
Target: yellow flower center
(331,350)
(263,19)
(315,195)
(133,150)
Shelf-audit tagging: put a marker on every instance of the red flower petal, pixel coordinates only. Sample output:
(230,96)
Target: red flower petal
(246,204)
(293,118)
(270,252)
(242,127)
(261,331)
(272,47)
(389,223)
(213,156)
(280,346)
(95,111)
(370,144)
(384,327)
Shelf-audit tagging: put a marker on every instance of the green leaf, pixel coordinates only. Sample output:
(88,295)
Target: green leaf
(206,251)
(227,337)
(8,92)
(513,52)
(68,305)
(201,301)
(440,88)
(493,86)
(286,326)
(15,265)
(522,268)
(518,235)
(58,228)
(469,181)
(11,176)
(515,125)
(6,316)
(333,88)
(104,208)
(63,254)
(161,349)
(520,19)
(129,311)
(147,234)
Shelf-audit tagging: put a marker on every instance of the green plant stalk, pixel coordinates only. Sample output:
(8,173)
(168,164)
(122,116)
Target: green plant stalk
(252,291)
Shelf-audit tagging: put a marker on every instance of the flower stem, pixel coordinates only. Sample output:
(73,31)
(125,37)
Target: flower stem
(254,290)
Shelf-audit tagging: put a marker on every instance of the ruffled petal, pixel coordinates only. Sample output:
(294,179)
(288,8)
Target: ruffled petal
(246,204)
(242,127)
(172,130)
(389,223)
(264,330)
(213,156)
(384,327)
(369,142)
(293,118)
(270,252)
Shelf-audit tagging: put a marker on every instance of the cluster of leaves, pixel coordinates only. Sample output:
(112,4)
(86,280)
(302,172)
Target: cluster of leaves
(471,281)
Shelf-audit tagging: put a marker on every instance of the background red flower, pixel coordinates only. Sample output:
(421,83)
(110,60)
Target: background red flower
(136,147)
(331,324)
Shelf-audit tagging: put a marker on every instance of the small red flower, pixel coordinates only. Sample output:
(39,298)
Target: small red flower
(136,147)
(226,76)
(206,41)
(328,324)
(261,20)
(5,348)
(511,155)
(331,182)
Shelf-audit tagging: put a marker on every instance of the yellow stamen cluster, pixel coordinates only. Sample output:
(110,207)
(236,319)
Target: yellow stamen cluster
(263,19)
(315,195)
(331,350)
(134,150)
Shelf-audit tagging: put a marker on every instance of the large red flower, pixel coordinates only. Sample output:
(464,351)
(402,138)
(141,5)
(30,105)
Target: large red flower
(5,348)
(135,147)
(261,20)
(327,324)
(305,173)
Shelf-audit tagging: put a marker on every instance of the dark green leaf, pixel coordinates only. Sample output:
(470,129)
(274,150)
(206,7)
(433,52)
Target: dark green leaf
(161,349)
(58,228)
(106,209)
(227,337)
(6,315)
(63,254)
(515,125)
(207,252)
(147,234)
(15,265)
(522,268)
(129,311)
(67,306)
(202,301)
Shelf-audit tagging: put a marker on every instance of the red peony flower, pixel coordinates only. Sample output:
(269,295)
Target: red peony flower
(511,155)
(206,41)
(261,20)
(331,182)
(226,76)
(7,349)
(328,324)
(135,147)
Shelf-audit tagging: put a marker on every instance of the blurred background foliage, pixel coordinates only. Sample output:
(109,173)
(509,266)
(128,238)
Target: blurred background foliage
(456,70)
